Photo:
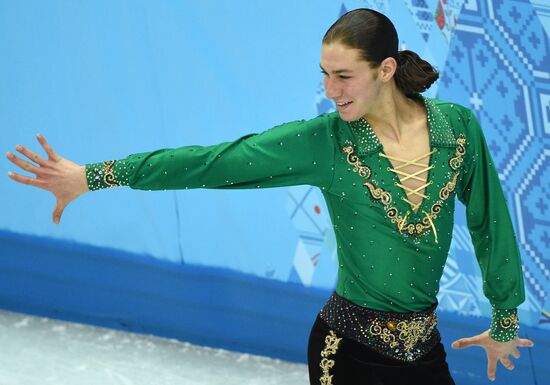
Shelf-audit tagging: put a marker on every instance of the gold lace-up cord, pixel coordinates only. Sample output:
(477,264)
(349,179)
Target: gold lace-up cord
(413,191)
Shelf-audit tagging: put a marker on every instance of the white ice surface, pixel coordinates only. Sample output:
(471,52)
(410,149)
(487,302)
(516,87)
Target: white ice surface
(43,351)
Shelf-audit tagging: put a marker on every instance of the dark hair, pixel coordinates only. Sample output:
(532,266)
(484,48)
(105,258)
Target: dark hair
(375,36)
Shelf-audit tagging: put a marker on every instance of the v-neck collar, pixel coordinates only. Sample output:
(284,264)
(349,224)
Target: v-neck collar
(410,222)
(441,133)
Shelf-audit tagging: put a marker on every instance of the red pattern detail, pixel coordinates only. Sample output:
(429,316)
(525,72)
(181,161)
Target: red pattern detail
(440,16)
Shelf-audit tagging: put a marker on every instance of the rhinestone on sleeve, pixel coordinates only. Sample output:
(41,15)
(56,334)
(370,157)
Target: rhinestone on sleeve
(106,174)
(504,324)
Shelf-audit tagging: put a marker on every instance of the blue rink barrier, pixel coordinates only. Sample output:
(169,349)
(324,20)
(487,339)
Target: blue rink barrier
(204,305)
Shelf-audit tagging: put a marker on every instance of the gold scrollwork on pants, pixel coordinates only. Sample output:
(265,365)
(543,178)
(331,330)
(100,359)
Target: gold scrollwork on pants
(331,346)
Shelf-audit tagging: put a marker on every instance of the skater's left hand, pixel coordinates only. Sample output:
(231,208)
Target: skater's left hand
(496,351)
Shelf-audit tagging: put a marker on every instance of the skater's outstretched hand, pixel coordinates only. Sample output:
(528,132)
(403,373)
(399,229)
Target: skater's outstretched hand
(496,351)
(64,179)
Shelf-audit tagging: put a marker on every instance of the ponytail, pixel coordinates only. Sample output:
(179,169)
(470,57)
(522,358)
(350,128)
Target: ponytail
(413,74)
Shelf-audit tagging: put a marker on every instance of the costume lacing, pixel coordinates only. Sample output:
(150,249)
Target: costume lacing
(410,191)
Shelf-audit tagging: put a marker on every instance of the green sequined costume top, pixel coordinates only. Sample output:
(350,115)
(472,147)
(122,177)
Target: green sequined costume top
(391,253)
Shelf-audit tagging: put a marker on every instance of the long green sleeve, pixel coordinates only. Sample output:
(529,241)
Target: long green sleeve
(492,234)
(294,153)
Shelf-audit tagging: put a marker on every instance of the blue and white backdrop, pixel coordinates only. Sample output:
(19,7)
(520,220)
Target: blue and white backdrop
(245,269)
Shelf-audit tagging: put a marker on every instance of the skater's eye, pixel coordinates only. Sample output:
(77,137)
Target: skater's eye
(344,77)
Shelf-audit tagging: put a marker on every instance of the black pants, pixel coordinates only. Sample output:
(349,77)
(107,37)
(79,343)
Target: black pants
(356,364)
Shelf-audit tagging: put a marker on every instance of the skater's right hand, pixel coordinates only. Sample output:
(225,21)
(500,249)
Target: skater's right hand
(64,179)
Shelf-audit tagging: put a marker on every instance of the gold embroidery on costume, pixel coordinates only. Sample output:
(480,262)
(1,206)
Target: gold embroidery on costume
(364,171)
(109,176)
(384,334)
(385,197)
(403,336)
(379,194)
(504,324)
(106,174)
(508,322)
(331,346)
(456,162)
(405,333)
(449,187)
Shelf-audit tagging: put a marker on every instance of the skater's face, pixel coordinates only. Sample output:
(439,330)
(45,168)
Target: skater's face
(349,79)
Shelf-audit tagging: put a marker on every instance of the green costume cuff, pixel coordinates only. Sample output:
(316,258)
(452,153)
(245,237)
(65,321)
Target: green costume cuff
(504,325)
(106,174)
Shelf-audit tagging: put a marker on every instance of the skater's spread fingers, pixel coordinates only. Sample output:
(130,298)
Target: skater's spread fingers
(49,150)
(26,180)
(22,163)
(505,361)
(31,155)
(525,342)
(491,368)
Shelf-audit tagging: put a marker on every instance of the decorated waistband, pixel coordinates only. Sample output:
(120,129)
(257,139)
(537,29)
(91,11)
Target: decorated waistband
(403,336)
